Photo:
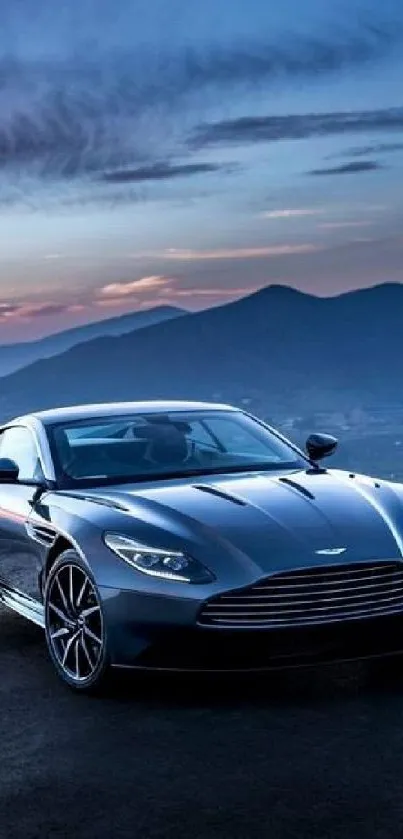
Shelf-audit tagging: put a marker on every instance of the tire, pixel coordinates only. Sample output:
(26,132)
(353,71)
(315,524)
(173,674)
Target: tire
(75,628)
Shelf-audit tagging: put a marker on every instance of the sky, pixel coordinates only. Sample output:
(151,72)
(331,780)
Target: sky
(159,152)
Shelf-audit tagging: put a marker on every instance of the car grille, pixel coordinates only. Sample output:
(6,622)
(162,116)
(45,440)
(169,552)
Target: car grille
(311,596)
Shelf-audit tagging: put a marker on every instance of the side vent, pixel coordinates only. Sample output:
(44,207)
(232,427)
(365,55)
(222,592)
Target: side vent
(40,533)
(220,494)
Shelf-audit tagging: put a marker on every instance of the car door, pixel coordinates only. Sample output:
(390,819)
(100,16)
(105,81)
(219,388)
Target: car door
(20,555)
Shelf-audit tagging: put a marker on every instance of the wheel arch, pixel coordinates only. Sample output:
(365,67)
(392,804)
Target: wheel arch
(61,544)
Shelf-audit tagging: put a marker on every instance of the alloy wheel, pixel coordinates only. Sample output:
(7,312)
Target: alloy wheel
(75,623)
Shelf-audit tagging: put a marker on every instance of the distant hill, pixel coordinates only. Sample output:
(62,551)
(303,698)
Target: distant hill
(301,352)
(15,356)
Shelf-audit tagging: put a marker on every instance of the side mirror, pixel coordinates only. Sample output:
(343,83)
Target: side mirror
(319,446)
(9,471)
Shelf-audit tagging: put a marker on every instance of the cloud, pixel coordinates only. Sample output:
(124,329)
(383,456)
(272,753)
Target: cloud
(145,292)
(211,293)
(363,151)
(352,168)
(295,213)
(7,310)
(182,255)
(258,129)
(90,107)
(112,295)
(27,311)
(341,225)
(118,291)
(158,172)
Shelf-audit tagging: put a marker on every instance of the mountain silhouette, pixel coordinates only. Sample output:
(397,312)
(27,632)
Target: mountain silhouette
(15,356)
(297,352)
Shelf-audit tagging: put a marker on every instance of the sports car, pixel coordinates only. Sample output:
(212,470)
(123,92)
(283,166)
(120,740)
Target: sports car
(193,536)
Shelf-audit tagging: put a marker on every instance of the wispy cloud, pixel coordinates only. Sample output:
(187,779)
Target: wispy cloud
(94,108)
(211,293)
(195,255)
(184,255)
(27,311)
(158,172)
(352,168)
(150,291)
(297,212)
(342,225)
(138,294)
(258,129)
(134,287)
(364,151)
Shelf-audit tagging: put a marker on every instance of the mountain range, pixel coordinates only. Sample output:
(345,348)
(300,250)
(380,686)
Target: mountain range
(15,356)
(294,351)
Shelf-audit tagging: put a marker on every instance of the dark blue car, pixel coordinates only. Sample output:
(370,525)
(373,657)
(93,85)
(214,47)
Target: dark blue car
(190,536)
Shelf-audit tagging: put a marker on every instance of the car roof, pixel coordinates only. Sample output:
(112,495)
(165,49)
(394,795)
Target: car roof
(111,409)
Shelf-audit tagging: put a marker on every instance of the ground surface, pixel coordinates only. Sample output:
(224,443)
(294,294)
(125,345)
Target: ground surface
(317,754)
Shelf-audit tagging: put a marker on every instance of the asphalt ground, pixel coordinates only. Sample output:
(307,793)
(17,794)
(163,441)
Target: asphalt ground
(313,753)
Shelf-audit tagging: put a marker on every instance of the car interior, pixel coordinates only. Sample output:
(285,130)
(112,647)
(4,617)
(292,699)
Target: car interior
(155,444)
(133,449)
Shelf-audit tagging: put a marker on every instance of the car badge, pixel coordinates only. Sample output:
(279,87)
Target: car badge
(331,551)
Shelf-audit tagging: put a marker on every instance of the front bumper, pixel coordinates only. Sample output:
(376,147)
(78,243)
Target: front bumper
(157,632)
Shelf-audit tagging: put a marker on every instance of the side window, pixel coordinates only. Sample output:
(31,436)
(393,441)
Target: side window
(18,444)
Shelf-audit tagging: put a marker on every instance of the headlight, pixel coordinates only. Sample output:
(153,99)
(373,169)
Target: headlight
(170,565)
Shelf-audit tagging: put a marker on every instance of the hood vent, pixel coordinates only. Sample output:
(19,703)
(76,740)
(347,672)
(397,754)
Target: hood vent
(107,502)
(98,499)
(298,487)
(220,494)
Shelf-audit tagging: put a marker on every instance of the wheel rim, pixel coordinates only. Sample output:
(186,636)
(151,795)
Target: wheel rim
(75,624)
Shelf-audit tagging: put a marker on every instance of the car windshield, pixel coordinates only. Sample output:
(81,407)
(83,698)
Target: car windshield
(156,446)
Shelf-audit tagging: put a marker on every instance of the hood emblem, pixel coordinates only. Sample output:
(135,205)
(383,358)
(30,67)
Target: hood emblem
(331,551)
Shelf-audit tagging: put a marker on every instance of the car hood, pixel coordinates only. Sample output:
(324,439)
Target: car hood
(274,521)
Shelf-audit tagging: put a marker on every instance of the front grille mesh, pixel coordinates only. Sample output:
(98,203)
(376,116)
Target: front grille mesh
(311,596)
